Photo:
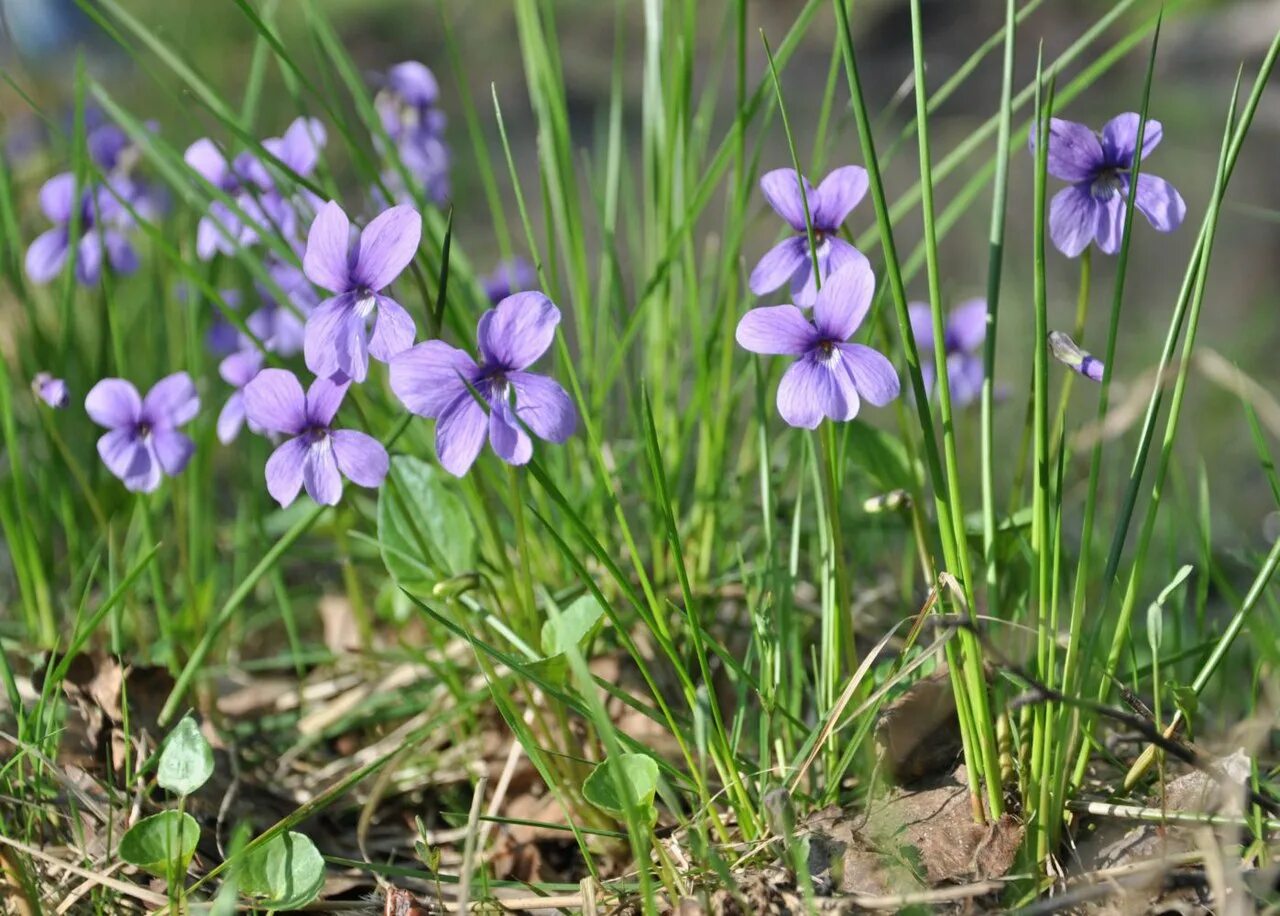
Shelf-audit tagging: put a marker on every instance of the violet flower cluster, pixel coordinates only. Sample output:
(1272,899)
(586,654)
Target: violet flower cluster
(831,376)
(962,337)
(407,107)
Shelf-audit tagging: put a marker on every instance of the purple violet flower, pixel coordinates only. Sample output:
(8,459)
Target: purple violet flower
(436,380)
(279,328)
(356,267)
(237,370)
(53,391)
(407,108)
(1098,166)
(830,377)
(143,442)
(100,224)
(316,456)
(963,334)
(829,205)
(1068,352)
(513,276)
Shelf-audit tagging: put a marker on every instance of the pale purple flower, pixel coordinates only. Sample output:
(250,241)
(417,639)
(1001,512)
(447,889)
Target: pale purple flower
(829,205)
(513,276)
(436,380)
(237,370)
(298,150)
(1098,166)
(1068,352)
(830,377)
(356,267)
(143,442)
(963,334)
(280,328)
(51,390)
(315,455)
(407,107)
(100,233)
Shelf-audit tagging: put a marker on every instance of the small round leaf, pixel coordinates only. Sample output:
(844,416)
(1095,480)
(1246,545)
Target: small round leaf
(638,772)
(186,763)
(162,844)
(285,873)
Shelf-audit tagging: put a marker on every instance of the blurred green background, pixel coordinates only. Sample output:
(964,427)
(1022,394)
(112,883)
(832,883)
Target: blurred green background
(1202,46)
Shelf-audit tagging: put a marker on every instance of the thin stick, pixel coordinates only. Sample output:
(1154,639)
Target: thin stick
(469,848)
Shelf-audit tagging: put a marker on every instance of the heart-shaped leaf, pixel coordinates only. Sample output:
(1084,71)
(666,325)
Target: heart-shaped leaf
(638,772)
(285,873)
(186,763)
(162,844)
(424,531)
(572,627)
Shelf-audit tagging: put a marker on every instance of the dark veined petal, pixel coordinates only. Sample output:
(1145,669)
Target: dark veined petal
(320,475)
(360,457)
(1160,203)
(113,402)
(48,255)
(387,245)
(509,441)
(326,261)
(812,389)
(429,377)
(284,470)
(921,326)
(171,401)
(1075,153)
(844,299)
(544,406)
(460,434)
(779,265)
(324,398)
(1073,219)
(1120,138)
(146,474)
(1110,223)
(172,449)
(122,451)
(872,373)
(776,330)
(275,402)
(837,195)
(516,332)
(393,330)
(967,326)
(781,188)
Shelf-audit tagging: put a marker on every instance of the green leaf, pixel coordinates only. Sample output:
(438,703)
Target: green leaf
(639,772)
(573,626)
(1187,702)
(424,531)
(162,844)
(186,763)
(285,873)
(881,455)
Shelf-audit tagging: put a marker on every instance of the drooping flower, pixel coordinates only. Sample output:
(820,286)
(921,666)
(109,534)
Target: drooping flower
(143,442)
(51,390)
(1068,352)
(356,270)
(829,205)
(436,380)
(513,276)
(963,334)
(315,455)
(1098,166)
(830,377)
(100,223)
(237,370)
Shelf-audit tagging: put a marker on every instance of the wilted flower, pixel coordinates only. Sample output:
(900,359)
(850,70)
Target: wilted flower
(1067,351)
(831,377)
(436,380)
(829,204)
(963,334)
(514,276)
(143,442)
(316,456)
(100,222)
(53,391)
(1099,167)
(357,267)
